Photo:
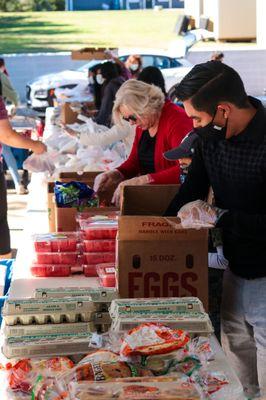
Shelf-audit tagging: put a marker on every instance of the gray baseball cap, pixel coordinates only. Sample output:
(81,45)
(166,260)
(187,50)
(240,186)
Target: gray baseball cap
(185,149)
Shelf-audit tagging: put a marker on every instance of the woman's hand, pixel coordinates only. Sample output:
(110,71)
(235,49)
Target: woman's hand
(139,180)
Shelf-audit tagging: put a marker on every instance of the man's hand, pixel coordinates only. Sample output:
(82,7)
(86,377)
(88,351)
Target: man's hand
(38,147)
(199,214)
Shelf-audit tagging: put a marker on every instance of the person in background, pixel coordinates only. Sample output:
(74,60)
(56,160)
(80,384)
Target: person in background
(11,138)
(133,65)
(230,157)
(10,95)
(160,126)
(131,68)
(123,131)
(108,77)
(217,56)
(216,260)
(153,76)
(94,86)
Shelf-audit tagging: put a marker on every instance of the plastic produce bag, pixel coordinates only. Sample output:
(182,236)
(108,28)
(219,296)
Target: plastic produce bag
(23,376)
(150,338)
(75,194)
(41,162)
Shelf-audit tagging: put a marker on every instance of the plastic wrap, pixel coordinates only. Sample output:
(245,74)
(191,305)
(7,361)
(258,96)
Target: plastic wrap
(75,194)
(41,162)
(98,246)
(149,339)
(138,389)
(107,274)
(99,258)
(55,242)
(22,375)
(106,229)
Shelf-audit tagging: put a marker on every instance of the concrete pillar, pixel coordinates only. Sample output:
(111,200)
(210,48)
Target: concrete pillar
(261,18)
(194,8)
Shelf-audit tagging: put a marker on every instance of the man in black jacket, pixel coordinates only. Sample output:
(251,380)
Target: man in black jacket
(230,156)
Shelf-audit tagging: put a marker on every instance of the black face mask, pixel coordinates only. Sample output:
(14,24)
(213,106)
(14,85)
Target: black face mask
(210,129)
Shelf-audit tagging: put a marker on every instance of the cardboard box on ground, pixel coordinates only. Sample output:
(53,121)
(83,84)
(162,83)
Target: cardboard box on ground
(68,116)
(64,219)
(156,257)
(91,53)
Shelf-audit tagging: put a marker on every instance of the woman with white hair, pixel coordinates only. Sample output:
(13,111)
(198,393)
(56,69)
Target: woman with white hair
(160,126)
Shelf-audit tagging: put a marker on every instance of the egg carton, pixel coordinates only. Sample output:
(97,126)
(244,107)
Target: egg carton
(194,322)
(47,345)
(33,305)
(102,321)
(41,319)
(40,311)
(126,307)
(98,295)
(48,329)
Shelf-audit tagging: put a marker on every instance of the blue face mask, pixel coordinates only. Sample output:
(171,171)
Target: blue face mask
(100,79)
(134,67)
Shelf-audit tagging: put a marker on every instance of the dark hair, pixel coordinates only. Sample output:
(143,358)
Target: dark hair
(153,75)
(217,56)
(211,83)
(2,62)
(109,70)
(95,68)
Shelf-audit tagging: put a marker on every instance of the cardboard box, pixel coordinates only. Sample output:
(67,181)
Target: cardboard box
(51,206)
(68,116)
(65,218)
(60,218)
(156,256)
(91,53)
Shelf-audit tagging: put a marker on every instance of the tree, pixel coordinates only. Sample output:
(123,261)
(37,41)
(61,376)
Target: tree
(31,5)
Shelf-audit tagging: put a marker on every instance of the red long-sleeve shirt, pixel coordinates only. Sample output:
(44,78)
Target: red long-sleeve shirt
(173,126)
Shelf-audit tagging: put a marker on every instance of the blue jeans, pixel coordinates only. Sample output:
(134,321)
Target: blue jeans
(11,164)
(243,316)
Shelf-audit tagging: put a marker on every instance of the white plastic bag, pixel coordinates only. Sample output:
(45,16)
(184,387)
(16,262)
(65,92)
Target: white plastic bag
(41,162)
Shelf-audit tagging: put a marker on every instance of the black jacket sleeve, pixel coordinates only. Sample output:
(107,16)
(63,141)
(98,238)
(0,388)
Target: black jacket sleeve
(253,225)
(105,113)
(196,185)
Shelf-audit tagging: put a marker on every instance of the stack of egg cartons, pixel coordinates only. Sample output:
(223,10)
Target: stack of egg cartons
(185,313)
(57,254)
(99,246)
(54,326)
(101,298)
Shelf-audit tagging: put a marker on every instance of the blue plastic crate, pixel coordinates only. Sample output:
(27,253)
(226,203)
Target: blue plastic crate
(9,269)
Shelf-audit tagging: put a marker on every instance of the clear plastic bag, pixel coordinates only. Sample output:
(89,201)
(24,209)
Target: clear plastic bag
(41,162)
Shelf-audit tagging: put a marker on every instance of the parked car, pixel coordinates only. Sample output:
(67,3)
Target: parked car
(41,91)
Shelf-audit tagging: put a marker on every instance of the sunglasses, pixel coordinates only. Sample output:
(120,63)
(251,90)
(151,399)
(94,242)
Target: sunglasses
(132,118)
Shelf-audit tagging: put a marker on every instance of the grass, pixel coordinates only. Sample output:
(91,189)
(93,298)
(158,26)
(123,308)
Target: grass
(64,31)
